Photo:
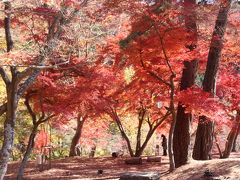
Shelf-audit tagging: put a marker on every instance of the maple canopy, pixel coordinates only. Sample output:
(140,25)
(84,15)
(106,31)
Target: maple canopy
(118,62)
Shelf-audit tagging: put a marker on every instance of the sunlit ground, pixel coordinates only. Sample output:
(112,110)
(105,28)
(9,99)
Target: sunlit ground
(86,168)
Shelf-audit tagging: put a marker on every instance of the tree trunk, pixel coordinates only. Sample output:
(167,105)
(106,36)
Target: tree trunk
(181,136)
(204,139)
(124,136)
(139,152)
(11,88)
(115,117)
(76,137)
(33,134)
(30,147)
(232,136)
(218,147)
(172,127)
(9,126)
(234,149)
(140,121)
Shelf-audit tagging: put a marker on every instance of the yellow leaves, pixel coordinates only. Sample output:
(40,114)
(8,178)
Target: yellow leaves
(3,45)
(2,92)
(129,73)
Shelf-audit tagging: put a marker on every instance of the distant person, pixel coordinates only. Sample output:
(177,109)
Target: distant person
(157,150)
(78,150)
(164,145)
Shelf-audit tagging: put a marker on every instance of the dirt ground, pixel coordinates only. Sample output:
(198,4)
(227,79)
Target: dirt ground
(87,168)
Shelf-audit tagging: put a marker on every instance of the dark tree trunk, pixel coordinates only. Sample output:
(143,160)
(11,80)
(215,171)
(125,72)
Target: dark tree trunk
(181,137)
(30,147)
(76,137)
(234,149)
(204,139)
(232,136)
(140,122)
(204,136)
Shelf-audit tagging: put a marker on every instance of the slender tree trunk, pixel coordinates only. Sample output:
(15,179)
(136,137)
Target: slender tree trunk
(235,144)
(128,144)
(140,122)
(229,144)
(181,137)
(33,134)
(173,124)
(218,147)
(204,136)
(30,147)
(76,137)
(115,117)
(139,152)
(232,136)
(138,144)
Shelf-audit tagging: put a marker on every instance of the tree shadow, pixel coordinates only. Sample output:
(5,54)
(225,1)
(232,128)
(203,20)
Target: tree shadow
(219,170)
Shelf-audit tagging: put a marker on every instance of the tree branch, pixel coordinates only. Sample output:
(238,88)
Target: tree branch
(30,111)
(152,73)
(4,76)
(46,119)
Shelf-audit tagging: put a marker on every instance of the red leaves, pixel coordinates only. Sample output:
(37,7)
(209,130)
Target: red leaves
(201,103)
(228,87)
(42,139)
(45,11)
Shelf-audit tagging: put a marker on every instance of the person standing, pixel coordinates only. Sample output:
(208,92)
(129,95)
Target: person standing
(164,145)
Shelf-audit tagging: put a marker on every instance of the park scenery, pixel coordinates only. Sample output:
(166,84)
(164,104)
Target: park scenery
(119,89)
